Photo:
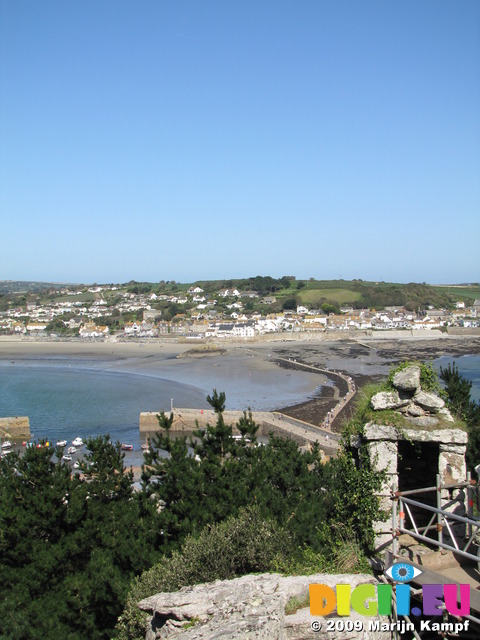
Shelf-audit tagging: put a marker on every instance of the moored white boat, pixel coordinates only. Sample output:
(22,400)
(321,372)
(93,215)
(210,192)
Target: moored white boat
(78,442)
(67,458)
(62,443)
(71,450)
(6,445)
(126,447)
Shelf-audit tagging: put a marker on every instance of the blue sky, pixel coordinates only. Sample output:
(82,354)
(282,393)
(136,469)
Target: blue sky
(187,139)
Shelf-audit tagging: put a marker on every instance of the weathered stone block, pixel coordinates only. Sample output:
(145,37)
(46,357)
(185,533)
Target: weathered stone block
(423,421)
(429,401)
(384,456)
(408,379)
(415,411)
(451,467)
(388,400)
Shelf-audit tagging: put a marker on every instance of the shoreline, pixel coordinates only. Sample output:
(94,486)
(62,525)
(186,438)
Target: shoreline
(437,341)
(364,359)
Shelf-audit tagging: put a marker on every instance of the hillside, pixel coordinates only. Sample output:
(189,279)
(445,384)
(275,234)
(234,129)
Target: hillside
(311,293)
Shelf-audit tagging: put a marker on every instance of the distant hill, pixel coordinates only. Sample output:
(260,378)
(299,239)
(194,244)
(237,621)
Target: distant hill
(289,292)
(26,286)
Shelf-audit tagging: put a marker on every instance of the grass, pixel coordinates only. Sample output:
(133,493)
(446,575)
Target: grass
(191,623)
(295,603)
(340,296)
(469,293)
(392,418)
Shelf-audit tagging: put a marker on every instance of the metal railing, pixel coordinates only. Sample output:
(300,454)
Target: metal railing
(444,524)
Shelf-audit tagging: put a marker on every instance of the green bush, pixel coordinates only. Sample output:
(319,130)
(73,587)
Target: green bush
(237,546)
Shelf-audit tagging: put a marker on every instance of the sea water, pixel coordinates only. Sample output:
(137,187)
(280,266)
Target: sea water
(468,367)
(68,398)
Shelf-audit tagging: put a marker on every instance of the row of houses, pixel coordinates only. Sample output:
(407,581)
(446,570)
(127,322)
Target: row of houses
(205,316)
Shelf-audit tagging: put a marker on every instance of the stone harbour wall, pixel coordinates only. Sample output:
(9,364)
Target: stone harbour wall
(15,428)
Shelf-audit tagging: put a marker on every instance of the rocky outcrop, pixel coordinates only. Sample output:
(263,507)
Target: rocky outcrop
(421,408)
(248,608)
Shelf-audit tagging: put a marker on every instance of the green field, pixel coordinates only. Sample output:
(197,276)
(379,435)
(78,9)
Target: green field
(339,296)
(469,292)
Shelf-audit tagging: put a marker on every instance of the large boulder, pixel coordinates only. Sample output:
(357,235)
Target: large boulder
(429,401)
(408,379)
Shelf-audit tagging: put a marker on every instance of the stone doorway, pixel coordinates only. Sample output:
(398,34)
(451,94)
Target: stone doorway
(417,466)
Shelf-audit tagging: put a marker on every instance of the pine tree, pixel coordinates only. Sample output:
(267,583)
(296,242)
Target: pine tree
(457,390)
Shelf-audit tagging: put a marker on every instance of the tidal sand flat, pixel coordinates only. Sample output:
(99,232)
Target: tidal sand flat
(97,387)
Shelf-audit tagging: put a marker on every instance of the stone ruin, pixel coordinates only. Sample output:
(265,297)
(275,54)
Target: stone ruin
(412,455)
(419,407)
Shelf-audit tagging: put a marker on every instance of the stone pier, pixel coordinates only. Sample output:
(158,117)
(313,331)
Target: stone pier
(185,421)
(15,428)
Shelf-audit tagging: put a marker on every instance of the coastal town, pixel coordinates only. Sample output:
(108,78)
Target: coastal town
(193,314)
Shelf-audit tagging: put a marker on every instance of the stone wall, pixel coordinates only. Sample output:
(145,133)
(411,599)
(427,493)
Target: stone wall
(17,428)
(185,421)
(428,427)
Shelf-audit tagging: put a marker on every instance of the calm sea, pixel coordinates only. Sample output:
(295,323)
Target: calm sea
(77,399)
(66,397)
(468,366)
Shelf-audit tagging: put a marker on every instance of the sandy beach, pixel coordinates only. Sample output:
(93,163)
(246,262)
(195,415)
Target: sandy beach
(365,358)
(250,366)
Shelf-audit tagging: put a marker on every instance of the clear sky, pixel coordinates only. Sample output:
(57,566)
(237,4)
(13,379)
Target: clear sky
(195,139)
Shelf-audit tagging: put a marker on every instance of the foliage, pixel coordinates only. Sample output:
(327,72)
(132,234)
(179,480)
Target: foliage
(224,484)
(216,506)
(289,304)
(363,412)
(348,555)
(69,544)
(457,392)
(295,603)
(242,544)
(328,307)
(352,498)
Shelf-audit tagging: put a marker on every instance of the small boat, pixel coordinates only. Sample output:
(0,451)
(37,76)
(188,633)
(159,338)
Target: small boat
(62,443)
(78,442)
(145,447)
(71,450)
(126,447)
(76,465)
(67,458)
(6,445)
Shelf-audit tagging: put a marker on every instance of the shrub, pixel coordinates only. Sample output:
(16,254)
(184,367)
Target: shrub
(239,545)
